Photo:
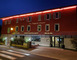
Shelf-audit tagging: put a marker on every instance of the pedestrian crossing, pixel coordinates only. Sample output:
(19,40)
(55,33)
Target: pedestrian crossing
(12,55)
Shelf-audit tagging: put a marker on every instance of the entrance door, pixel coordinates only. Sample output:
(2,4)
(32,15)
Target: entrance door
(57,41)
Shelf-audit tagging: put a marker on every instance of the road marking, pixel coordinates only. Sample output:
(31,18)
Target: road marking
(19,52)
(7,56)
(12,54)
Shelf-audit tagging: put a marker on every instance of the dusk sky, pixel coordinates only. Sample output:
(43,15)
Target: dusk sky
(14,7)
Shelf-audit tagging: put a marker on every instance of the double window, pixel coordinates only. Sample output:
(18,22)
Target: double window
(22,28)
(28,27)
(39,28)
(56,15)
(57,27)
(47,27)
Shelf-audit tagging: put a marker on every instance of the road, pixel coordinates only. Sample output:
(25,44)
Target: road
(7,54)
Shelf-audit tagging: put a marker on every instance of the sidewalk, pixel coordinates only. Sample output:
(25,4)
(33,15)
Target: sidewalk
(57,53)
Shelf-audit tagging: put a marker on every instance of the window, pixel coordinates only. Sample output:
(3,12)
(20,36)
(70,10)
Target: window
(47,27)
(24,18)
(8,30)
(39,28)
(17,20)
(16,29)
(22,28)
(29,19)
(5,22)
(28,28)
(56,15)
(9,21)
(56,27)
(47,16)
(36,38)
(39,17)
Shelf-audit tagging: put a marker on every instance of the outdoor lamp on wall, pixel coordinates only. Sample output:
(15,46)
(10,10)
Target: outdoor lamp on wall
(11,28)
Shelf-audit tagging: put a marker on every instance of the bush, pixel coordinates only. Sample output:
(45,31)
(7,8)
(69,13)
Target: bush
(74,42)
(18,41)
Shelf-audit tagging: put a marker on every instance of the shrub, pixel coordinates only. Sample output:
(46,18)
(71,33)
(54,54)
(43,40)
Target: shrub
(74,42)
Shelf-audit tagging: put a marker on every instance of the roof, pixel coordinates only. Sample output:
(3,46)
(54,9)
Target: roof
(38,12)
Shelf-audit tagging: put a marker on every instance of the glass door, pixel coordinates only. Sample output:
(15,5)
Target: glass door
(57,42)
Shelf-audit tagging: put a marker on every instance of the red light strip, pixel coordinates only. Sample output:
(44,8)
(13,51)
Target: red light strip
(59,9)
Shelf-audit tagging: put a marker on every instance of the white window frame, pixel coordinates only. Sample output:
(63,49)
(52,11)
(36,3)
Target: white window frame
(58,27)
(21,28)
(16,27)
(38,26)
(39,17)
(47,25)
(28,26)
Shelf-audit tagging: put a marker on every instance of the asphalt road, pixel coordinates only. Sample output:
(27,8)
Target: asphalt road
(7,54)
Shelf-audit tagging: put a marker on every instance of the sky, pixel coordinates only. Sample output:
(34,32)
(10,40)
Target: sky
(14,7)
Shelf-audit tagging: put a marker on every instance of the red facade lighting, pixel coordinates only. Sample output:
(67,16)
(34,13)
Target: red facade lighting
(59,9)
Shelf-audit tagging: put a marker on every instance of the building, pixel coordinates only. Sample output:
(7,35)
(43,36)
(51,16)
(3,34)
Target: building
(54,27)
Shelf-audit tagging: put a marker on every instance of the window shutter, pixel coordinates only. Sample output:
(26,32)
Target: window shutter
(44,16)
(50,16)
(53,15)
(59,14)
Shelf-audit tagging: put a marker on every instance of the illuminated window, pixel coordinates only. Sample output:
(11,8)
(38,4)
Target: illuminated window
(22,28)
(39,17)
(47,16)
(36,38)
(16,29)
(47,27)
(56,15)
(56,27)
(39,28)
(8,30)
(5,22)
(29,19)
(28,27)
(17,20)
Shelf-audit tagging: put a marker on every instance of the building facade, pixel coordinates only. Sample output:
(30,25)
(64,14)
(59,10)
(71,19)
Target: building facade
(54,27)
